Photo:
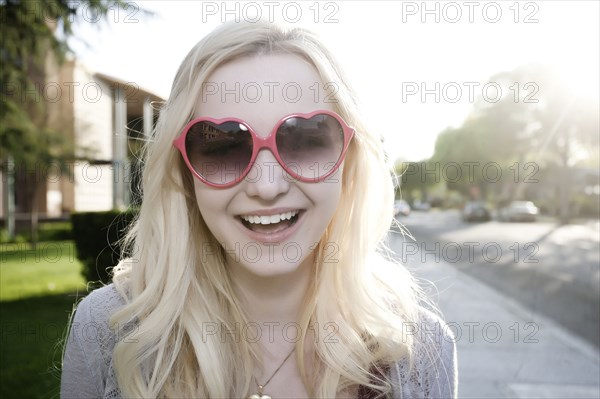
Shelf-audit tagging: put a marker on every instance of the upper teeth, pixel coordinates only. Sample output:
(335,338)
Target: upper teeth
(269,219)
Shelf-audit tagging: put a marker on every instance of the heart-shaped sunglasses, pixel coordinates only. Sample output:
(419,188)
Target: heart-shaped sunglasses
(221,152)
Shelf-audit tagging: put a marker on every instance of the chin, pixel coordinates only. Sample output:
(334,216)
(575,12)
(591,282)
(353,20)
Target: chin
(274,265)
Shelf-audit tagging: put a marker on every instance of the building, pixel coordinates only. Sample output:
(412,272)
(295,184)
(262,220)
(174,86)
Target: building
(106,119)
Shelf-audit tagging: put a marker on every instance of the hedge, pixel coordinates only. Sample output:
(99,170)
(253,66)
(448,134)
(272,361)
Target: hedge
(97,237)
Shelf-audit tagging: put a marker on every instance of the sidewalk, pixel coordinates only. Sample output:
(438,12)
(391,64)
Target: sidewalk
(505,350)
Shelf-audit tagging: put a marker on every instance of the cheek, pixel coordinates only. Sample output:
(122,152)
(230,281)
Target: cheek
(330,194)
(326,195)
(202,197)
(333,196)
(211,202)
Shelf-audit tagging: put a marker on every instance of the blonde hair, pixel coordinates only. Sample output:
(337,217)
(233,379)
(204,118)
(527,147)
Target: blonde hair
(172,292)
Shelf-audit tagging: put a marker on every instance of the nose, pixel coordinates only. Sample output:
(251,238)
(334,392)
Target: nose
(266,179)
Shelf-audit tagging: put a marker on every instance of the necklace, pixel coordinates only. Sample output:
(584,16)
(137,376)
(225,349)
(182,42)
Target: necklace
(260,394)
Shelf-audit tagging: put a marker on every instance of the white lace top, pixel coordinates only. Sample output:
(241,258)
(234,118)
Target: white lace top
(88,372)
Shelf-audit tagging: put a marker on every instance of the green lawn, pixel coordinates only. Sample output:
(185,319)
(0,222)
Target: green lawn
(37,293)
(52,268)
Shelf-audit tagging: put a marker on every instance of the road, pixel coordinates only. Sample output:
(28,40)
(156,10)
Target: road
(551,269)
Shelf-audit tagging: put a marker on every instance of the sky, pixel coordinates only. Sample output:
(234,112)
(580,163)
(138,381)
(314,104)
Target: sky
(417,67)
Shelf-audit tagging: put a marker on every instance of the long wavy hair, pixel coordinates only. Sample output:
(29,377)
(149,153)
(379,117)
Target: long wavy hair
(172,292)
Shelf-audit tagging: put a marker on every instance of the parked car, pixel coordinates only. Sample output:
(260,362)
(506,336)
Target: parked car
(401,207)
(421,206)
(519,211)
(476,211)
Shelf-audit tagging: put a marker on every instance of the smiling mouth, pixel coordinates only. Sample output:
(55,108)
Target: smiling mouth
(270,224)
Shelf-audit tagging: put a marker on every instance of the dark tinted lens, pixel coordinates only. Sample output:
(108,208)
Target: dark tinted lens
(219,153)
(310,147)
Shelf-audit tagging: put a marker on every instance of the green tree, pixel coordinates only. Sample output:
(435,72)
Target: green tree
(415,176)
(459,156)
(539,122)
(556,128)
(35,35)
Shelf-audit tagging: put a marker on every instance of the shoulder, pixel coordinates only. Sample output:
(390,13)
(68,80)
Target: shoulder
(90,326)
(99,305)
(432,369)
(103,299)
(87,358)
(432,330)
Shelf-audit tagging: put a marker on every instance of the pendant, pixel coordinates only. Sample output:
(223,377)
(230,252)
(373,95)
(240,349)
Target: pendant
(259,395)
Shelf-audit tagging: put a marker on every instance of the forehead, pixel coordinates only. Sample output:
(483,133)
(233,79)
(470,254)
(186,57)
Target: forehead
(263,88)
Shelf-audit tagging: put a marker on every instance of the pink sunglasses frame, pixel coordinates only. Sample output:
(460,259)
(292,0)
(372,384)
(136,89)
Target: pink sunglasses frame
(268,142)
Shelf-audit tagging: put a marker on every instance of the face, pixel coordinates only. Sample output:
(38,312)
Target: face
(261,90)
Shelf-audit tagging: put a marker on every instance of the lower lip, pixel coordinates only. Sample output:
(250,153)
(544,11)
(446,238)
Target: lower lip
(280,236)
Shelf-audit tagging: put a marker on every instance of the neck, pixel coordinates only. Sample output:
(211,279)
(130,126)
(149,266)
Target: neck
(272,299)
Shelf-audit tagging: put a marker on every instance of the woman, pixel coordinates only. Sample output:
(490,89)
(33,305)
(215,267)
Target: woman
(255,270)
